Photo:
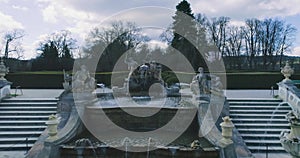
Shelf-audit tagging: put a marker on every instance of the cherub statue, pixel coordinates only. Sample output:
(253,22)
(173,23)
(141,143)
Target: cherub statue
(82,81)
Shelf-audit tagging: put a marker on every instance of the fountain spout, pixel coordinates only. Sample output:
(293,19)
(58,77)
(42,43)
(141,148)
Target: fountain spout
(125,142)
(148,148)
(81,144)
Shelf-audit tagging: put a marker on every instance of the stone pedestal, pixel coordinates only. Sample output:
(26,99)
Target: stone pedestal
(4,84)
(4,89)
(290,140)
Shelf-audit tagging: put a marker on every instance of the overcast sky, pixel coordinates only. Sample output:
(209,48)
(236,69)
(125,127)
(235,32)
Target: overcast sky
(41,17)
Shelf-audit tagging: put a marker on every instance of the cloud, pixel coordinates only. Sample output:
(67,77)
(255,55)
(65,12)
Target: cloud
(296,51)
(17,7)
(4,1)
(9,23)
(56,11)
(241,9)
(80,16)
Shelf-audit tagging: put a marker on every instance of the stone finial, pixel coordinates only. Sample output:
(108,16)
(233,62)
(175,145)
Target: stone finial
(287,72)
(3,70)
(52,126)
(227,127)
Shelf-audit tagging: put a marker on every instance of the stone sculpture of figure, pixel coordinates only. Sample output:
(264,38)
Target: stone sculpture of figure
(82,81)
(67,81)
(200,80)
(143,70)
(217,85)
(157,72)
(131,65)
(152,68)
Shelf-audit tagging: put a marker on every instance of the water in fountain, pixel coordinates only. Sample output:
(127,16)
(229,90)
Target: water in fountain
(272,116)
(81,144)
(125,142)
(173,150)
(148,148)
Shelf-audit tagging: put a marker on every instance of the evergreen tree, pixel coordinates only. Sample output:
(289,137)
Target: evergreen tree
(185,30)
(49,57)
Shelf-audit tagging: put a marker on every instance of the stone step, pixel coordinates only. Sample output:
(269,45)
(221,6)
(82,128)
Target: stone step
(261,130)
(35,113)
(20,108)
(24,100)
(23,128)
(15,147)
(24,117)
(260,136)
(27,104)
(256,125)
(258,103)
(258,120)
(239,111)
(18,140)
(258,142)
(267,116)
(245,107)
(254,100)
(22,122)
(23,134)
(263,149)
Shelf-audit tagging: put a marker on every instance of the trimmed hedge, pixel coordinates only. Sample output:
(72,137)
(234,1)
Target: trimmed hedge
(234,80)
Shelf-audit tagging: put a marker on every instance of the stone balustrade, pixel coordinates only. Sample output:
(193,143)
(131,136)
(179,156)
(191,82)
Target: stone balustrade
(288,92)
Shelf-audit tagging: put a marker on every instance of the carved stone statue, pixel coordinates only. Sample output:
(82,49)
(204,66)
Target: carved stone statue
(131,65)
(143,70)
(67,84)
(82,81)
(3,70)
(217,85)
(200,82)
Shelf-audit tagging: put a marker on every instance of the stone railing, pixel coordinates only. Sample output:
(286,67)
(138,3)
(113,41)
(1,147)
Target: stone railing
(288,92)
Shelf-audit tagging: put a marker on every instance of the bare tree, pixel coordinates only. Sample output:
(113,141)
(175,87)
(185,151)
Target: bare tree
(113,41)
(234,46)
(12,42)
(287,40)
(217,29)
(63,41)
(167,35)
(251,38)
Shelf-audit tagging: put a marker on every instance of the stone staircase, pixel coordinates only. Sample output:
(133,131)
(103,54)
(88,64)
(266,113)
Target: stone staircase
(260,122)
(23,120)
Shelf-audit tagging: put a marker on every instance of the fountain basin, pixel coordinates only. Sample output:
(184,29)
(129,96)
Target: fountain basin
(160,152)
(101,119)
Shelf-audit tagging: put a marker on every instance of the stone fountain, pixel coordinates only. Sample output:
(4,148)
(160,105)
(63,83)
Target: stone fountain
(101,125)
(288,92)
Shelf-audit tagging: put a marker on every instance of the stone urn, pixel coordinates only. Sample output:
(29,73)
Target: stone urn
(52,126)
(3,70)
(291,140)
(227,127)
(287,72)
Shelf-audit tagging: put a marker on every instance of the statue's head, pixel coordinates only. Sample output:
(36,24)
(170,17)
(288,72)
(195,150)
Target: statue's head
(200,69)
